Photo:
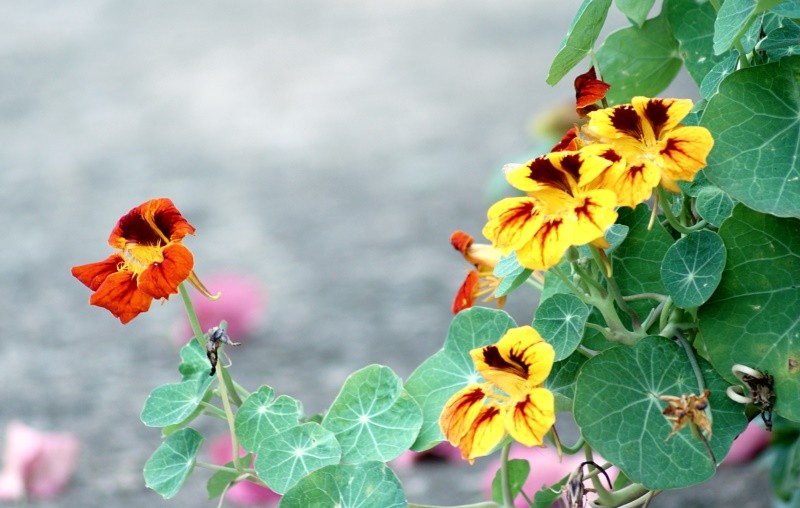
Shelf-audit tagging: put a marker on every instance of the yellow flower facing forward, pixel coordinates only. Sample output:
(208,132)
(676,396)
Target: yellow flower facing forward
(564,207)
(654,146)
(512,400)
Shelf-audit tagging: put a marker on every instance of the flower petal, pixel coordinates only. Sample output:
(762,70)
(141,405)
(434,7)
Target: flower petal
(589,89)
(520,360)
(546,246)
(531,418)
(120,295)
(154,222)
(684,154)
(465,296)
(593,212)
(93,274)
(460,411)
(485,433)
(661,115)
(512,222)
(633,183)
(160,280)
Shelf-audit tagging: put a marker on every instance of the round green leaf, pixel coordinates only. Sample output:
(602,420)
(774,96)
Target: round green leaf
(347,486)
(618,409)
(373,417)
(173,403)
(194,362)
(285,458)
(451,369)
(580,38)
(723,69)
(733,20)
(639,61)
(692,268)
(692,25)
(714,205)
(260,417)
(560,320)
(561,381)
(752,318)
(755,121)
(172,462)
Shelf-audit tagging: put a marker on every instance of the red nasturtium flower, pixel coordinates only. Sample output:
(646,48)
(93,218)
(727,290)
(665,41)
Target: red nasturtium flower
(588,91)
(151,261)
(512,400)
(481,281)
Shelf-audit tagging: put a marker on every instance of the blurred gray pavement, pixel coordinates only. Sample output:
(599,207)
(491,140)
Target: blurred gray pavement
(327,149)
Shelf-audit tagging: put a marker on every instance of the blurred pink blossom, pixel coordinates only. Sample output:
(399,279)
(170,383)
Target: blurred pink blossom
(747,445)
(546,469)
(36,465)
(244,492)
(242,304)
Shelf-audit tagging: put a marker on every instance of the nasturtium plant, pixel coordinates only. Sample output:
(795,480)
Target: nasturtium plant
(663,238)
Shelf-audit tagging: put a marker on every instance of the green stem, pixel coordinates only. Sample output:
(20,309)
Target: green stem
(666,206)
(226,403)
(586,277)
(698,374)
(572,450)
(630,496)
(572,287)
(602,494)
(505,482)
(645,296)
(613,288)
(213,410)
(535,283)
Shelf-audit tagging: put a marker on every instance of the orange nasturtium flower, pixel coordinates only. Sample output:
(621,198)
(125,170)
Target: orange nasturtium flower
(511,401)
(481,281)
(151,261)
(564,207)
(648,146)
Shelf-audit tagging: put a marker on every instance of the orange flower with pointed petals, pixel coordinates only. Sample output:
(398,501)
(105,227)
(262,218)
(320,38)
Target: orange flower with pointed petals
(564,207)
(151,261)
(648,135)
(511,402)
(480,282)
(588,91)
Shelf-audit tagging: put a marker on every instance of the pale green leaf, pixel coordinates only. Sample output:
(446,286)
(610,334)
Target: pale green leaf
(172,462)
(261,417)
(347,486)
(580,38)
(512,273)
(287,457)
(173,403)
(635,10)
(560,321)
(733,20)
(451,369)
(692,25)
(373,417)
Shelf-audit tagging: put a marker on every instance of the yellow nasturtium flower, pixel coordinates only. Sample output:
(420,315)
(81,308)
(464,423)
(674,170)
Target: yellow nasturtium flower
(563,207)
(647,145)
(512,400)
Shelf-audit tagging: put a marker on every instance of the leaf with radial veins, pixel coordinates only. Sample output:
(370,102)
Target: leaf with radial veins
(580,38)
(172,462)
(262,416)
(373,417)
(173,403)
(755,121)
(347,486)
(618,410)
(692,25)
(451,369)
(561,381)
(286,458)
(560,321)
(733,20)
(639,61)
(753,318)
(692,268)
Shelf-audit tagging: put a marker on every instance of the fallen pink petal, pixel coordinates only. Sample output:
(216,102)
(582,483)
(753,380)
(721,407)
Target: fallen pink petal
(243,493)
(36,464)
(242,305)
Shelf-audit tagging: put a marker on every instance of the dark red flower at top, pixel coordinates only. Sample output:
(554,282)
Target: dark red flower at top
(588,91)
(151,261)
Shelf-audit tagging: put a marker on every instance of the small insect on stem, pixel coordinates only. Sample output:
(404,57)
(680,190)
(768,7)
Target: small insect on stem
(216,337)
(574,491)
